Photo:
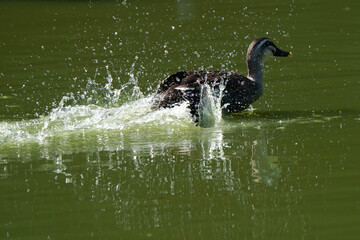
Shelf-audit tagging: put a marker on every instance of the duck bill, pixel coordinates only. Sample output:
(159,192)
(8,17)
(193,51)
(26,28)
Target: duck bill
(280,53)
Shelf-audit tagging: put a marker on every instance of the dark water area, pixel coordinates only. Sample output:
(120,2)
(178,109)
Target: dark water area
(83,154)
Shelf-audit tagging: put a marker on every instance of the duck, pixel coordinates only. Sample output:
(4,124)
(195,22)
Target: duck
(238,92)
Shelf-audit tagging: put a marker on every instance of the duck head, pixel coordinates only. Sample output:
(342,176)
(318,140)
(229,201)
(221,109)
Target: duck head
(259,50)
(262,48)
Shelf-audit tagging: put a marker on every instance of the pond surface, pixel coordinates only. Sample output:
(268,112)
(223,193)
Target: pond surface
(83,155)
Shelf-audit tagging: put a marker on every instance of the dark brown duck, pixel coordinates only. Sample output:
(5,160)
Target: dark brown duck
(239,91)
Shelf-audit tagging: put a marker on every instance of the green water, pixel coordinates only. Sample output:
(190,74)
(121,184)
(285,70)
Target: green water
(84,156)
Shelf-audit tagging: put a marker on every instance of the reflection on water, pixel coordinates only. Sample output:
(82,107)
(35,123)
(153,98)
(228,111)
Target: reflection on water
(170,179)
(177,175)
(169,185)
(266,169)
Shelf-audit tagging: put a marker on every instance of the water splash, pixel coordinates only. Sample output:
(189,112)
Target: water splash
(106,96)
(210,110)
(99,115)
(206,107)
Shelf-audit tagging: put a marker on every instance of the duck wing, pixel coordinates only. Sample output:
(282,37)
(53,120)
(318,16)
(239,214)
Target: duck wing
(184,86)
(171,81)
(177,88)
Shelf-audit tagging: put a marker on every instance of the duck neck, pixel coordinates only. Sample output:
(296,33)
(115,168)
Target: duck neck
(255,70)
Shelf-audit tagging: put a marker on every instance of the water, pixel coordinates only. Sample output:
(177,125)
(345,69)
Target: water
(83,154)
